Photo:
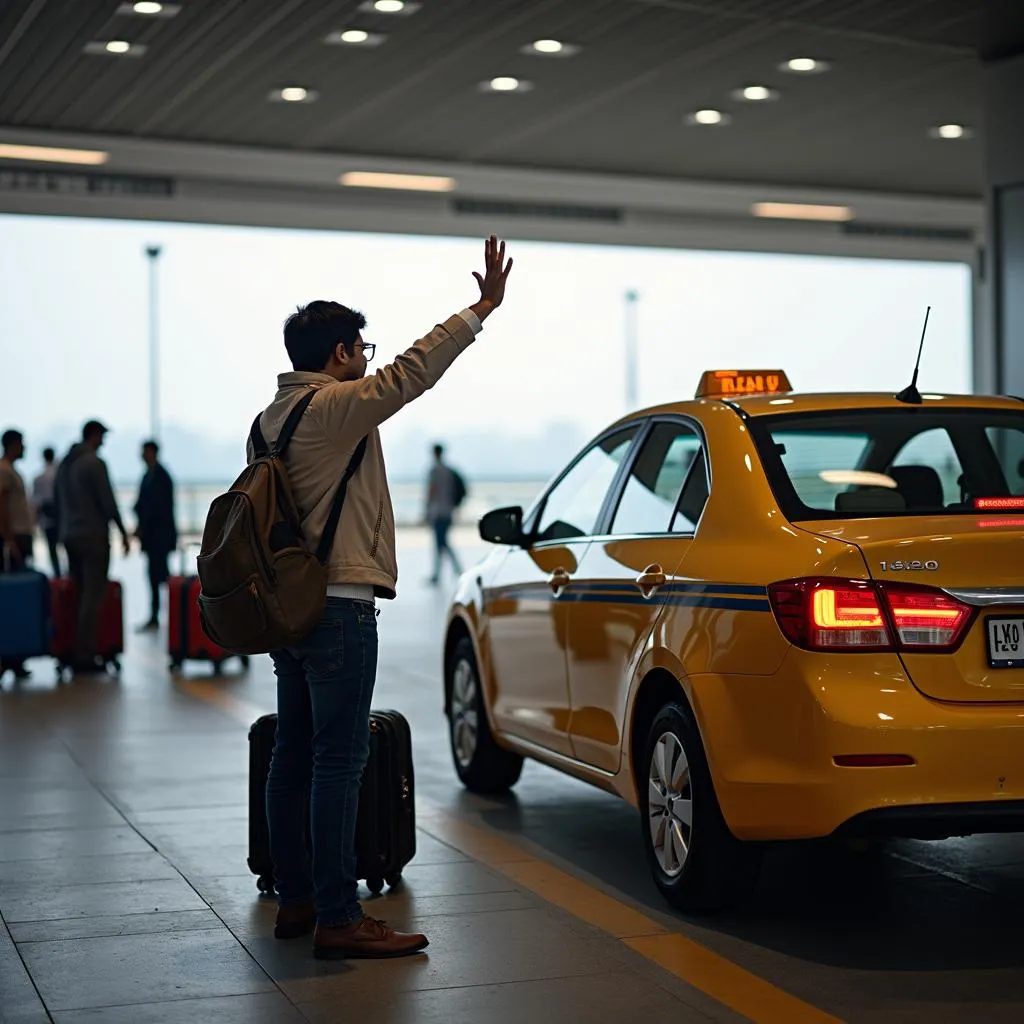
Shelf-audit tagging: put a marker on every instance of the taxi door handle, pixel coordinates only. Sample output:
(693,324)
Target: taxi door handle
(559,580)
(651,579)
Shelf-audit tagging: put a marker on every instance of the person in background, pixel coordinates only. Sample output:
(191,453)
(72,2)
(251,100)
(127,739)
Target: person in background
(445,491)
(86,507)
(17,524)
(44,501)
(157,531)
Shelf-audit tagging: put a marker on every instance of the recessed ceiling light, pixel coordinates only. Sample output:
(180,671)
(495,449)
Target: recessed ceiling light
(805,65)
(951,131)
(550,48)
(802,211)
(293,94)
(53,155)
(115,48)
(355,37)
(708,117)
(756,94)
(405,182)
(150,8)
(506,83)
(389,6)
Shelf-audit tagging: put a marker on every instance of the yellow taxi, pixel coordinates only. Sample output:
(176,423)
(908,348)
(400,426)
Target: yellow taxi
(759,616)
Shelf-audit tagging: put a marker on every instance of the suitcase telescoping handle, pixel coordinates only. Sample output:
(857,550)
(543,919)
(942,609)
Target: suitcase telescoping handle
(183,555)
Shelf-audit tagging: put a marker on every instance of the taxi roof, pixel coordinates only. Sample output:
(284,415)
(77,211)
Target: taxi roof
(833,401)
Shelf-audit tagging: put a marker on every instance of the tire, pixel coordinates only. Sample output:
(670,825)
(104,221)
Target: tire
(482,766)
(697,863)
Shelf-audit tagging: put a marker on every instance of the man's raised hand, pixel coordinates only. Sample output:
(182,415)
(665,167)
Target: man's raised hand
(492,281)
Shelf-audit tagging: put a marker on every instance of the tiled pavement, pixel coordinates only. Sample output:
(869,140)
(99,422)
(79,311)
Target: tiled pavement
(125,895)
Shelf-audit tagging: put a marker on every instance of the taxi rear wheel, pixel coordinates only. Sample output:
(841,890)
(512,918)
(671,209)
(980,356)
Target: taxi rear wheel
(480,763)
(697,863)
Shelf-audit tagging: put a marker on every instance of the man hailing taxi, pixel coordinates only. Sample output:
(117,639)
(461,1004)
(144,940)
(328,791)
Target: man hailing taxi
(325,682)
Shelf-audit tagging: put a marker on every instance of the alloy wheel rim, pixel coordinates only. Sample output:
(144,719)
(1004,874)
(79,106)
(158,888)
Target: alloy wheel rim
(670,804)
(464,721)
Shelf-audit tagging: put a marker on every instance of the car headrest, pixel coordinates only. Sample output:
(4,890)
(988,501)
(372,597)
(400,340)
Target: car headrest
(920,486)
(870,499)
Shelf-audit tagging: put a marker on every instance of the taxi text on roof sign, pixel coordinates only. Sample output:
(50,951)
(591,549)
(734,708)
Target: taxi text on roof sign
(725,383)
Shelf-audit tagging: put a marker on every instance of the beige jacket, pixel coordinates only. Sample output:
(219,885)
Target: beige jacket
(340,415)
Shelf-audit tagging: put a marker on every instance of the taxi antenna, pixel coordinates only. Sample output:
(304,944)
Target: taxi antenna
(910,395)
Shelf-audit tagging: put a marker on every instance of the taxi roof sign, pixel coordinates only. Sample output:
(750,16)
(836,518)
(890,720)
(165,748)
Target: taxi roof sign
(733,383)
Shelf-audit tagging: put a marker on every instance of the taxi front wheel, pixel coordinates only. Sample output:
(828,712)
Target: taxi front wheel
(697,863)
(481,764)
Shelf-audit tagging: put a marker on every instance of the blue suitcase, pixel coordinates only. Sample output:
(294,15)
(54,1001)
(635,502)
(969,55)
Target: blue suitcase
(24,615)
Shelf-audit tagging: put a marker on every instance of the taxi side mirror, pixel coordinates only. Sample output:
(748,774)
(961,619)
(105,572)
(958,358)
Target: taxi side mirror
(503,526)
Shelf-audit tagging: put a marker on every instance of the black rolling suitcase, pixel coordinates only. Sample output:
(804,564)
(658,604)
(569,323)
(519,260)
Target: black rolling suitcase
(386,824)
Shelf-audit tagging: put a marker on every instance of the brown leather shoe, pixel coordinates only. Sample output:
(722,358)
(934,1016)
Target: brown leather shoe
(294,919)
(365,939)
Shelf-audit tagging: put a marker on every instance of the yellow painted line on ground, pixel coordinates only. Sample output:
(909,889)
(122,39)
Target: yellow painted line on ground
(716,976)
(726,982)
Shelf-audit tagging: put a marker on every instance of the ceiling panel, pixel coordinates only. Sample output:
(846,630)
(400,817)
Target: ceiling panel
(899,67)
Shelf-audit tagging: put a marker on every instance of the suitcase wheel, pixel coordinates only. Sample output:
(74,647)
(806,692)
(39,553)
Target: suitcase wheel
(217,669)
(175,665)
(265,884)
(375,885)
(244,659)
(393,880)
(114,665)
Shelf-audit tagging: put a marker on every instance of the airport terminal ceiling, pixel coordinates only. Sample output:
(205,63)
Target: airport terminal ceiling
(640,122)
(617,105)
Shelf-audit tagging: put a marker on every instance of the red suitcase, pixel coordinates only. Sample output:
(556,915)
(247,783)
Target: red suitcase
(110,643)
(186,640)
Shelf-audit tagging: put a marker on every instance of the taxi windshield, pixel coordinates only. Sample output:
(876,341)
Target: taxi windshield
(893,462)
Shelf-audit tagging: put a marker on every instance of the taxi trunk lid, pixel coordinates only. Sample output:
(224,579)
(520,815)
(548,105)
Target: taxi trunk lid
(978,559)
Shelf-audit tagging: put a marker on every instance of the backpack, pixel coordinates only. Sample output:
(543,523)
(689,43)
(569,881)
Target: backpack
(459,489)
(262,586)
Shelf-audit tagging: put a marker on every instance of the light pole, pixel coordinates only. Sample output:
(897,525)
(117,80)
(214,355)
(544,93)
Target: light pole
(153,254)
(632,297)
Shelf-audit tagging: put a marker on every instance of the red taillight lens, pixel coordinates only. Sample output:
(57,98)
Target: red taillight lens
(825,614)
(855,615)
(925,618)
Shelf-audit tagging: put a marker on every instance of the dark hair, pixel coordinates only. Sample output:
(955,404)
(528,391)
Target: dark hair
(312,332)
(92,429)
(151,444)
(49,455)
(10,439)
(438,450)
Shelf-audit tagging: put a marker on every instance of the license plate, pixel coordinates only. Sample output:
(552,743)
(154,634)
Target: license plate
(1005,642)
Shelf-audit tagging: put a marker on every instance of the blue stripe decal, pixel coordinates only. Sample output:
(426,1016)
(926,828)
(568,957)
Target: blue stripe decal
(681,588)
(703,595)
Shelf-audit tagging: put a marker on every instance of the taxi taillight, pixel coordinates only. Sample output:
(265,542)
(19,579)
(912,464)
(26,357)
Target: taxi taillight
(824,614)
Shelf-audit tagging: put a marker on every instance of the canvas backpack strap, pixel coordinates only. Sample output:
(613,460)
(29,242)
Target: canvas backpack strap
(323,551)
(257,440)
(298,409)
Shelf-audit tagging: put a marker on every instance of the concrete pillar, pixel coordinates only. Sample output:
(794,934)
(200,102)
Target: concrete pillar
(1004,272)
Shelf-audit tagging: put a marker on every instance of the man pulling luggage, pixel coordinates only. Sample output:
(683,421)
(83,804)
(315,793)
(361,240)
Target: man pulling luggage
(325,681)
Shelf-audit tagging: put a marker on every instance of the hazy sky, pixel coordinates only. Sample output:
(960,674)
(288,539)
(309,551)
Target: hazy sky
(73,295)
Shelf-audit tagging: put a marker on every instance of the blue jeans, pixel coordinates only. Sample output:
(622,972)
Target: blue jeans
(324,689)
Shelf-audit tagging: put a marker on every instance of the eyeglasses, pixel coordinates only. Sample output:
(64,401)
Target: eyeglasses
(368,347)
